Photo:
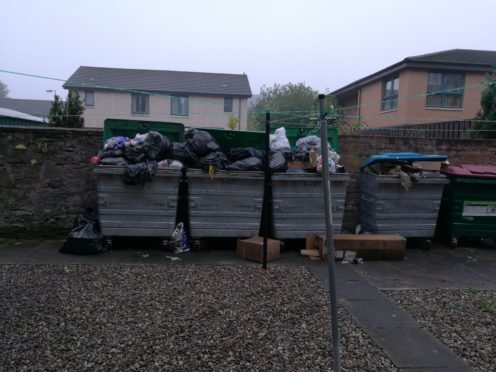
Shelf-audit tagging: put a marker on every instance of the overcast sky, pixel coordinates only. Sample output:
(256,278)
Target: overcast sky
(326,44)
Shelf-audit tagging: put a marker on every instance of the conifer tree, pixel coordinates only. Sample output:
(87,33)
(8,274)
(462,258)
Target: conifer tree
(56,113)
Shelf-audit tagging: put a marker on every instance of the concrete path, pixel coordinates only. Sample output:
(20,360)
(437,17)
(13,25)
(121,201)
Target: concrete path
(408,346)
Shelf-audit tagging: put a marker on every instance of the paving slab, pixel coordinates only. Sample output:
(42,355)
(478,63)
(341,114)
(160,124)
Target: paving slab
(415,348)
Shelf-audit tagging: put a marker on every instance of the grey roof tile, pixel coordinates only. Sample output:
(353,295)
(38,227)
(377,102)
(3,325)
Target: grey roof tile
(34,107)
(160,81)
(458,56)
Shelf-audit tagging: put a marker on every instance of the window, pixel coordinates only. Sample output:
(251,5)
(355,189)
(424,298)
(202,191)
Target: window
(89,98)
(179,105)
(390,88)
(445,89)
(139,104)
(228,104)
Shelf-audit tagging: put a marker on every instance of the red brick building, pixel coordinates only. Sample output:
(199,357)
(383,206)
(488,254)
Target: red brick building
(434,87)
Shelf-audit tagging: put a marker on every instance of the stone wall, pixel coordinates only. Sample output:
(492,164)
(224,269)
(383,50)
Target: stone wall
(46,179)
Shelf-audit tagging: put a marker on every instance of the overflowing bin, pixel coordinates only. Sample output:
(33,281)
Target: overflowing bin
(147,210)
(225,204)
(468,207)
(389,207)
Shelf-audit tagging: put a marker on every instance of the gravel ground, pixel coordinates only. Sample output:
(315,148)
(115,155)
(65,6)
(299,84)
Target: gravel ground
(464,320)
(187,317)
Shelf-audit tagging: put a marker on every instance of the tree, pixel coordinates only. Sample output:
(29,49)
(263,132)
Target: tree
(289,104)
(75,110)
(4,90)
(486,127)
(56,113)
(66,115)
(232,122)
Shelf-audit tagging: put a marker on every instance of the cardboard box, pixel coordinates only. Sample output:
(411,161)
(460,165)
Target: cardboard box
(252,249)
(366,246)
(434,166)
(296,164)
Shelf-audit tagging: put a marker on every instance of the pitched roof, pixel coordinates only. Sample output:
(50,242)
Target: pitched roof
(34,107)
(453,59)
(459,56)
(163,81)
(19,115)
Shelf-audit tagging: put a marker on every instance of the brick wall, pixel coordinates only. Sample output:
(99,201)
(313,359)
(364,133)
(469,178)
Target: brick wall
(46,180)
(354,150)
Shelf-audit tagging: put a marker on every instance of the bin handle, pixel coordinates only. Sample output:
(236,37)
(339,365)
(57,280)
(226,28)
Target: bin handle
(378,205)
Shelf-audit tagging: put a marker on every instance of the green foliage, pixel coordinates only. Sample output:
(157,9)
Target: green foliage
(56,112)
(486,129)
(232,122)
(486,307)
(76,109)
(66,115)
(4,90)
(290,103)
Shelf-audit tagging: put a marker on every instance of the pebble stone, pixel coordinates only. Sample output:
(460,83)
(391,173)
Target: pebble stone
(168,317)
(463,319)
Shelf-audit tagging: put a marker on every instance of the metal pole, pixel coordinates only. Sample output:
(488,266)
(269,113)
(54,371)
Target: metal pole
(329,242)
(266,203)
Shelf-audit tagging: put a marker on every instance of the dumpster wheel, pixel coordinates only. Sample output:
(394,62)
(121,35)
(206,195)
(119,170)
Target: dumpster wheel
(426,244)
(453,243)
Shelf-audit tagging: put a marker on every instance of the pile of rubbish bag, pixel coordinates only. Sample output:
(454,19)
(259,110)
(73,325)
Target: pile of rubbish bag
(145,153)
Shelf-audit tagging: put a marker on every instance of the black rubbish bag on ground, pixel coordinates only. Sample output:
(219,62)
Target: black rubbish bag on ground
(156,146)
(240,153)
(202,143)
(248,164)
(184,153)
(85,237)
(139,174)
(217,158)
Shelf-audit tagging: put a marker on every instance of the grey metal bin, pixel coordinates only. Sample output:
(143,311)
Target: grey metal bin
(299,204)
(148,210)
(387,208)
(229,205)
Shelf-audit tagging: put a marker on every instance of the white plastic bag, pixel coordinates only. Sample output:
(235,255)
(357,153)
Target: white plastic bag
(279,141)
(179,239)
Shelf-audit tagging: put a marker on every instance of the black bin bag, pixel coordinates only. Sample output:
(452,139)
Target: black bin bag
(85,238)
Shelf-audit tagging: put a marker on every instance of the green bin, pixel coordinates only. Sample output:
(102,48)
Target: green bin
(468,207)
(228,139)
(129,128)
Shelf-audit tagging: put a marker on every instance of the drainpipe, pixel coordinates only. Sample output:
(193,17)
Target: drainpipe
(239,114)
(359,101)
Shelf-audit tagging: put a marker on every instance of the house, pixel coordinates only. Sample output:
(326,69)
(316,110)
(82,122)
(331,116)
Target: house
(13,117)
(442,86)
(32,107)
(195,99)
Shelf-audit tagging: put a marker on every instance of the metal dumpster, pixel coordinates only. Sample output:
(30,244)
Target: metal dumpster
(148,210)
(299,204)
(228,205)
(387,208)
(468,207)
